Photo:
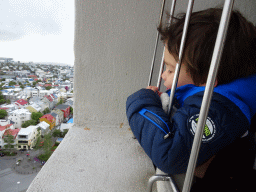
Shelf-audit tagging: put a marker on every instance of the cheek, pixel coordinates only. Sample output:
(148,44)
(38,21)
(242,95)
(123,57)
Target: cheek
(168,81)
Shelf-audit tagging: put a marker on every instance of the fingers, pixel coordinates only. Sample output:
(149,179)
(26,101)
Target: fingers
(153,88)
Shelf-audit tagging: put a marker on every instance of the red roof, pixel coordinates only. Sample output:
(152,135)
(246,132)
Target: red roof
(55,85)
(49,98)
(47,85)
(5,108)
(35,79)
(49,117)
(13,132)
(33,76)
(4,127)
(21,102)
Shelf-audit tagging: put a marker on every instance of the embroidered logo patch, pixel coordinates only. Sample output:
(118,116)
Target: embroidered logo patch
(209,128)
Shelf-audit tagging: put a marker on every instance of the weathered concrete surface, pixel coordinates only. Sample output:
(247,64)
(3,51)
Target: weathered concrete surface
(96,159)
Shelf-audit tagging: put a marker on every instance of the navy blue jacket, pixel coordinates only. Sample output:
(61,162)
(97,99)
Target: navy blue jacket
(232,107)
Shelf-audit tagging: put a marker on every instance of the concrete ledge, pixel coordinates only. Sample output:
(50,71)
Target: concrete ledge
(96,159)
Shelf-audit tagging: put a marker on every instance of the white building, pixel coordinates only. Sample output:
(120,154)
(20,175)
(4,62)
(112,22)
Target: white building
(4,124)
(65,126)
(19,116)
(40,73)
(35,93)
(45,127)
(27,137)
(42,93)
(10,107)
(30,91)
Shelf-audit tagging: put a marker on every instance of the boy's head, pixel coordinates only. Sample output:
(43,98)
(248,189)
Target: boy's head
(239,53)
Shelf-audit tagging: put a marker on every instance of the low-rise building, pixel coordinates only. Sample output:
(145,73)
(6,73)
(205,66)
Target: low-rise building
(19,116)
(34,108)
(21,104)
(4,125)
(45,127)
(48,118)
(27,137)
(60,115)
(43,93)
(65,109)
(14,133)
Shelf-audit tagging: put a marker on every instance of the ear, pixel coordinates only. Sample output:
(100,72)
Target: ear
(216,83)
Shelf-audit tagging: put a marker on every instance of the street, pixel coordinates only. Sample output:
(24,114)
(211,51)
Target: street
(18,177)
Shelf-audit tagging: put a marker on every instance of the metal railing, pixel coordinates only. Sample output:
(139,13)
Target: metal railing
(221,36)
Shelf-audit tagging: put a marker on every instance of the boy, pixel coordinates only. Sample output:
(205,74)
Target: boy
(228,144)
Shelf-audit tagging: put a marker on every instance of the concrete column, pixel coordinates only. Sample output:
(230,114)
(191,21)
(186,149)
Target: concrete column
(114,43)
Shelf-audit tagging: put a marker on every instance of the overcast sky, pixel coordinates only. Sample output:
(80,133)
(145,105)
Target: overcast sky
(37,30)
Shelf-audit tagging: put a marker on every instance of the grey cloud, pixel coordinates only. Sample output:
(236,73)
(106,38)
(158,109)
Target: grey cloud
(10,36)
(20,18)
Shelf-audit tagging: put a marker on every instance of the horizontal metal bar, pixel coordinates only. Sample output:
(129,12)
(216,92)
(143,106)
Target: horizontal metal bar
(155,178)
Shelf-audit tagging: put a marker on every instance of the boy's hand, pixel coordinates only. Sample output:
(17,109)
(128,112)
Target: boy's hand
(155,89)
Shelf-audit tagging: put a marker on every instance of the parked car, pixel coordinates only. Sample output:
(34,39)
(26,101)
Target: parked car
(1,154)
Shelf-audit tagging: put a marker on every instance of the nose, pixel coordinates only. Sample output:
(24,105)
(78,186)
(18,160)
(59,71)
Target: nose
(163,75)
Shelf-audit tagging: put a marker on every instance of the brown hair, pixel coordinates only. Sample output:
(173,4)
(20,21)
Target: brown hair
(239,53)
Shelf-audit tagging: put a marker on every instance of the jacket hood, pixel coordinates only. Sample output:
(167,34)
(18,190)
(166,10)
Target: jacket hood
(241,92)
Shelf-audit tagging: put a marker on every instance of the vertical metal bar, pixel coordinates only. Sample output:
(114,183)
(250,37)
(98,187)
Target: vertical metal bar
(162,60)
(182,45)
(219,44)
(157,38)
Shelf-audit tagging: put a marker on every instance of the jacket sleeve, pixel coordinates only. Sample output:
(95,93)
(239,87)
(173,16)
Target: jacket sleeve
(150,125)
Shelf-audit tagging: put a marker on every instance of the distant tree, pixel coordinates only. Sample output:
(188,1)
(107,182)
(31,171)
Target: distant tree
(47,110)
(22,86)
(36,115)
(3,79)
(57,133)
(34,83)
(28,123)
(71,110)
(9,140)
(60,102)
(2,101)
(3,113)
(48,88)
(65,132)
(11,83)
(47,144)
(1,95)
(8,101)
